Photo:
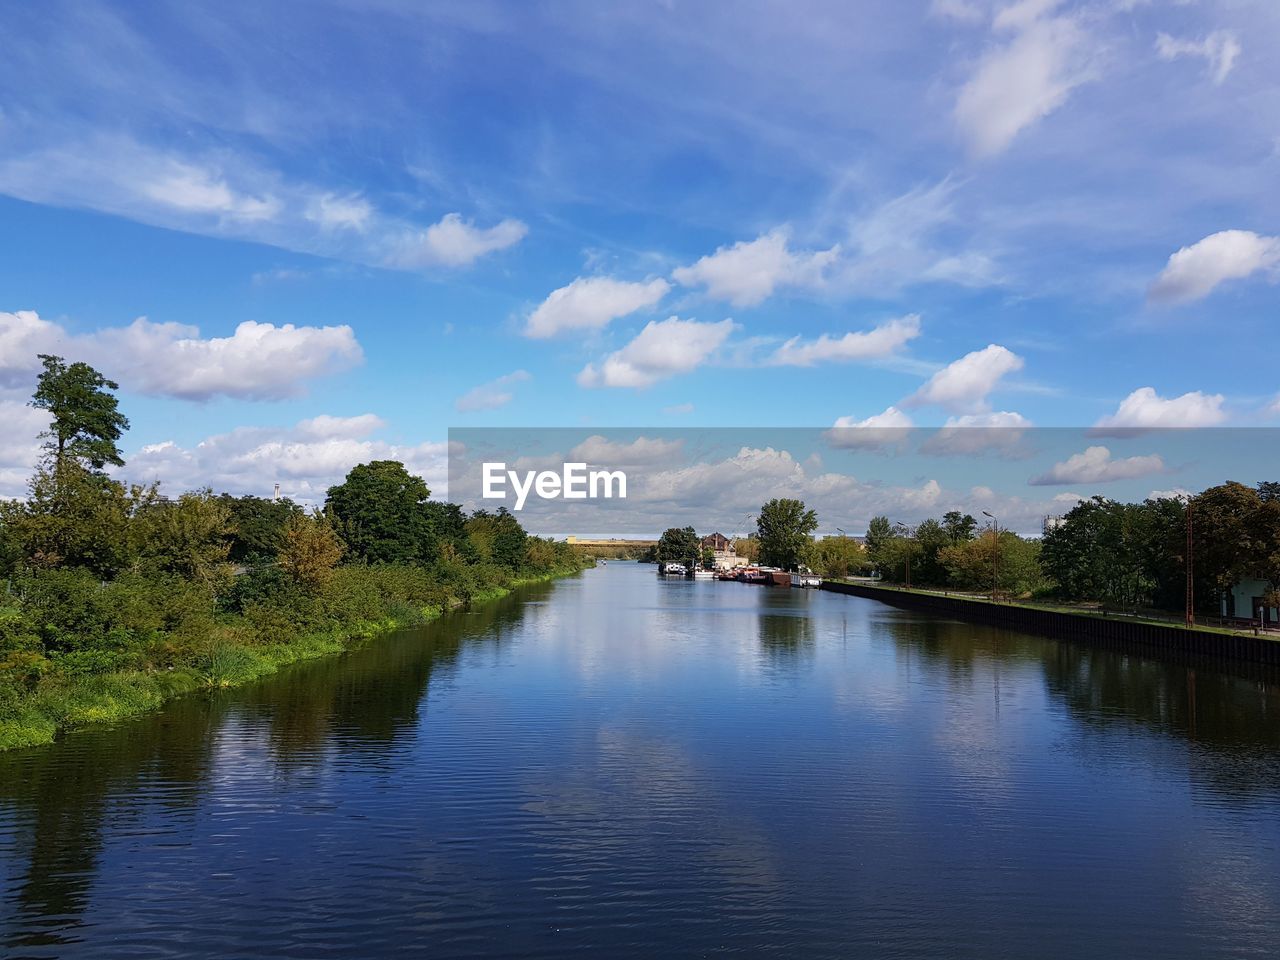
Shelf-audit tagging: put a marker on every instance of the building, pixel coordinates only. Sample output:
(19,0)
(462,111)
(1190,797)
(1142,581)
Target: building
(1246,602)
(721,548)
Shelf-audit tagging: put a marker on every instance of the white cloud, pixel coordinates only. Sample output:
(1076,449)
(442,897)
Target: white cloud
(880,430)
(972,434)
(491,395)
(329,427)
(1219,49)
(225,194)
(1194,271)
(19,444)
(600,451)
(964,384)
(662,349)
(861,345)
(1144,409)
(190,188)
(1095,465)
(454,242)
(336,212)
(260,361)
(589,303)
(748,272)
(1024,80)
(305,460)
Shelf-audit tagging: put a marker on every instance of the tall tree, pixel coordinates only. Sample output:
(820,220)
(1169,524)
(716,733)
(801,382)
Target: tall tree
(785,528)
(86,422)
(380,512)
(879,533)
(959,526)
(679,545)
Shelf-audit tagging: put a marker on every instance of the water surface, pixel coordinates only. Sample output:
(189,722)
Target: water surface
(619,766)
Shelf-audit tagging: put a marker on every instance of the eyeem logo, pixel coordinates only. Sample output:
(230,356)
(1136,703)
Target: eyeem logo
(573,482)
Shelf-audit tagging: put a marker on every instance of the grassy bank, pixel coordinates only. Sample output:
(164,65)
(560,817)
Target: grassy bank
(81,687)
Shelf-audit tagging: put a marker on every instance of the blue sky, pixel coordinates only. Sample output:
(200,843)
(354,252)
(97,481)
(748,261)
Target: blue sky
(350,226)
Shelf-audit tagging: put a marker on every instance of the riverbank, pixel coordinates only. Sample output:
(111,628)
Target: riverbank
(232,658)
(1067,625)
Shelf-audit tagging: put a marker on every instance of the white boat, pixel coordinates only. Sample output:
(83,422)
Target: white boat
(674,570)
(807,579)
(704,574)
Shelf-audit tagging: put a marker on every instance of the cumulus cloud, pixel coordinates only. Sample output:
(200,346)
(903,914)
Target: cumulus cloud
(1023,80)
(662,349)
(861,345)
(1219,50)
(492,395)
(886,429)
(964,384)
(1194,271)
(589,303)
(973,434)
(1144,409)
(305,460)
(748,272)
(1095,465)
(259,361)
(454,242)
(19,444)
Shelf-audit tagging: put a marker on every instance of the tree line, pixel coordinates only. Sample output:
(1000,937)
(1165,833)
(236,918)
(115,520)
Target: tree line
(1130,555)
(110,591)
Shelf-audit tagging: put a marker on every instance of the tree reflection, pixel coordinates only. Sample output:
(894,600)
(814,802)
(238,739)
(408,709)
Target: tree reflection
(59,804)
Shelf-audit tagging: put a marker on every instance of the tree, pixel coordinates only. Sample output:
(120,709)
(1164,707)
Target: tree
(188,536)
(785,528)
(497,537)
(86,423)
(930,539)
(380,513)
(972,564)
(958,526)
(1230,539)
(309,550)
(748,548)
(256,525)
(839,556)
(679,545)
(879,532)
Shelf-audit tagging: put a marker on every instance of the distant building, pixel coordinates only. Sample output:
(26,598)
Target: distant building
(721,548)
(1246,601)
(1051,523)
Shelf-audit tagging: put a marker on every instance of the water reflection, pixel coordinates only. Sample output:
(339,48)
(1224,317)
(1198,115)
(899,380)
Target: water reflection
(627,766)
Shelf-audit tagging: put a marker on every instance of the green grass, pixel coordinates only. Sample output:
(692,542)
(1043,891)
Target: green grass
(1066,608)
(61,704)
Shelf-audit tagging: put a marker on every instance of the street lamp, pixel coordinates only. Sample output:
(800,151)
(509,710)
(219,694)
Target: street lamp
(995,553)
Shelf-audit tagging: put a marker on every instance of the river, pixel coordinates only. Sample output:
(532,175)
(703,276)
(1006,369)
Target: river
(617,766)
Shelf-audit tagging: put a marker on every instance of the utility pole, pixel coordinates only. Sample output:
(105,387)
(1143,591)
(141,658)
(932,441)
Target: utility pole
(995,554)
(1191,585)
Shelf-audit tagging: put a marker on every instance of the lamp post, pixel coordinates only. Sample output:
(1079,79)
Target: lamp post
(995,554)
(910,534)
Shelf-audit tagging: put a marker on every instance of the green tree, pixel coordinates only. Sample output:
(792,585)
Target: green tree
(959,526)
(256,525)
(380,513)
(1231,541)
(879,532)
(86,423)
(497,537)
(973,564)
(839,556)
(679,545)
(785,528)
(187,536)
(309,550)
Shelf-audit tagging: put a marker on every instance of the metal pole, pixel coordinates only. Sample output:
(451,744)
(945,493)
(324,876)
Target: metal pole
(995,554)
(1191,588)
